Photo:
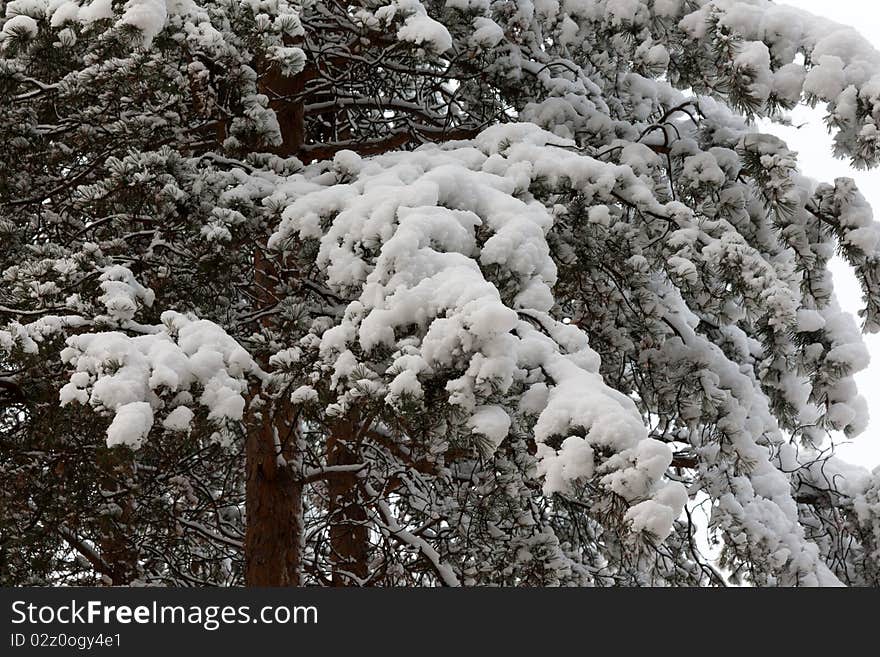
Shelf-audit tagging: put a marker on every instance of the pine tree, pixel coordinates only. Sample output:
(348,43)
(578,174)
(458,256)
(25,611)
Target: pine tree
(438,292)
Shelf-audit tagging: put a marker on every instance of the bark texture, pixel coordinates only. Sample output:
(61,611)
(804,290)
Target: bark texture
(273,537)
(349,537)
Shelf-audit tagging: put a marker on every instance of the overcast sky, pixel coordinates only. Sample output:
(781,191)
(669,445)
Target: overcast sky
(813,144)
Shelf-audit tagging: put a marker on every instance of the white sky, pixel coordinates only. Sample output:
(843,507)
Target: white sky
(813,144)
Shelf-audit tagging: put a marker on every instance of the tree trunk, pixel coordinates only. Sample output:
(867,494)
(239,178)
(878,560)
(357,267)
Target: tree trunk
(117,550)
(273,499)
(349,537)
(273,496)
(273,537)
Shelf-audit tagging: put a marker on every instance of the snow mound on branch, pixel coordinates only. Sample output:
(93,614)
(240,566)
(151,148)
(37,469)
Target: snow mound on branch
(421,29)
(149,17)
(180,419)
(126,376)
(123,295)
(487,33)
(130,425)
(417,27)
(492,422)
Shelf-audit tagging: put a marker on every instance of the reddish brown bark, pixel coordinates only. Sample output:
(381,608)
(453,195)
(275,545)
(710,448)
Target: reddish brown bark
(349,538)
(118,555)
(273,497)
(285,99)
(273,537)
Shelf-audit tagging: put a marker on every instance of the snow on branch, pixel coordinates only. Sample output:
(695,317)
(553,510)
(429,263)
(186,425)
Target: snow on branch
(448,252)
(130,378)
